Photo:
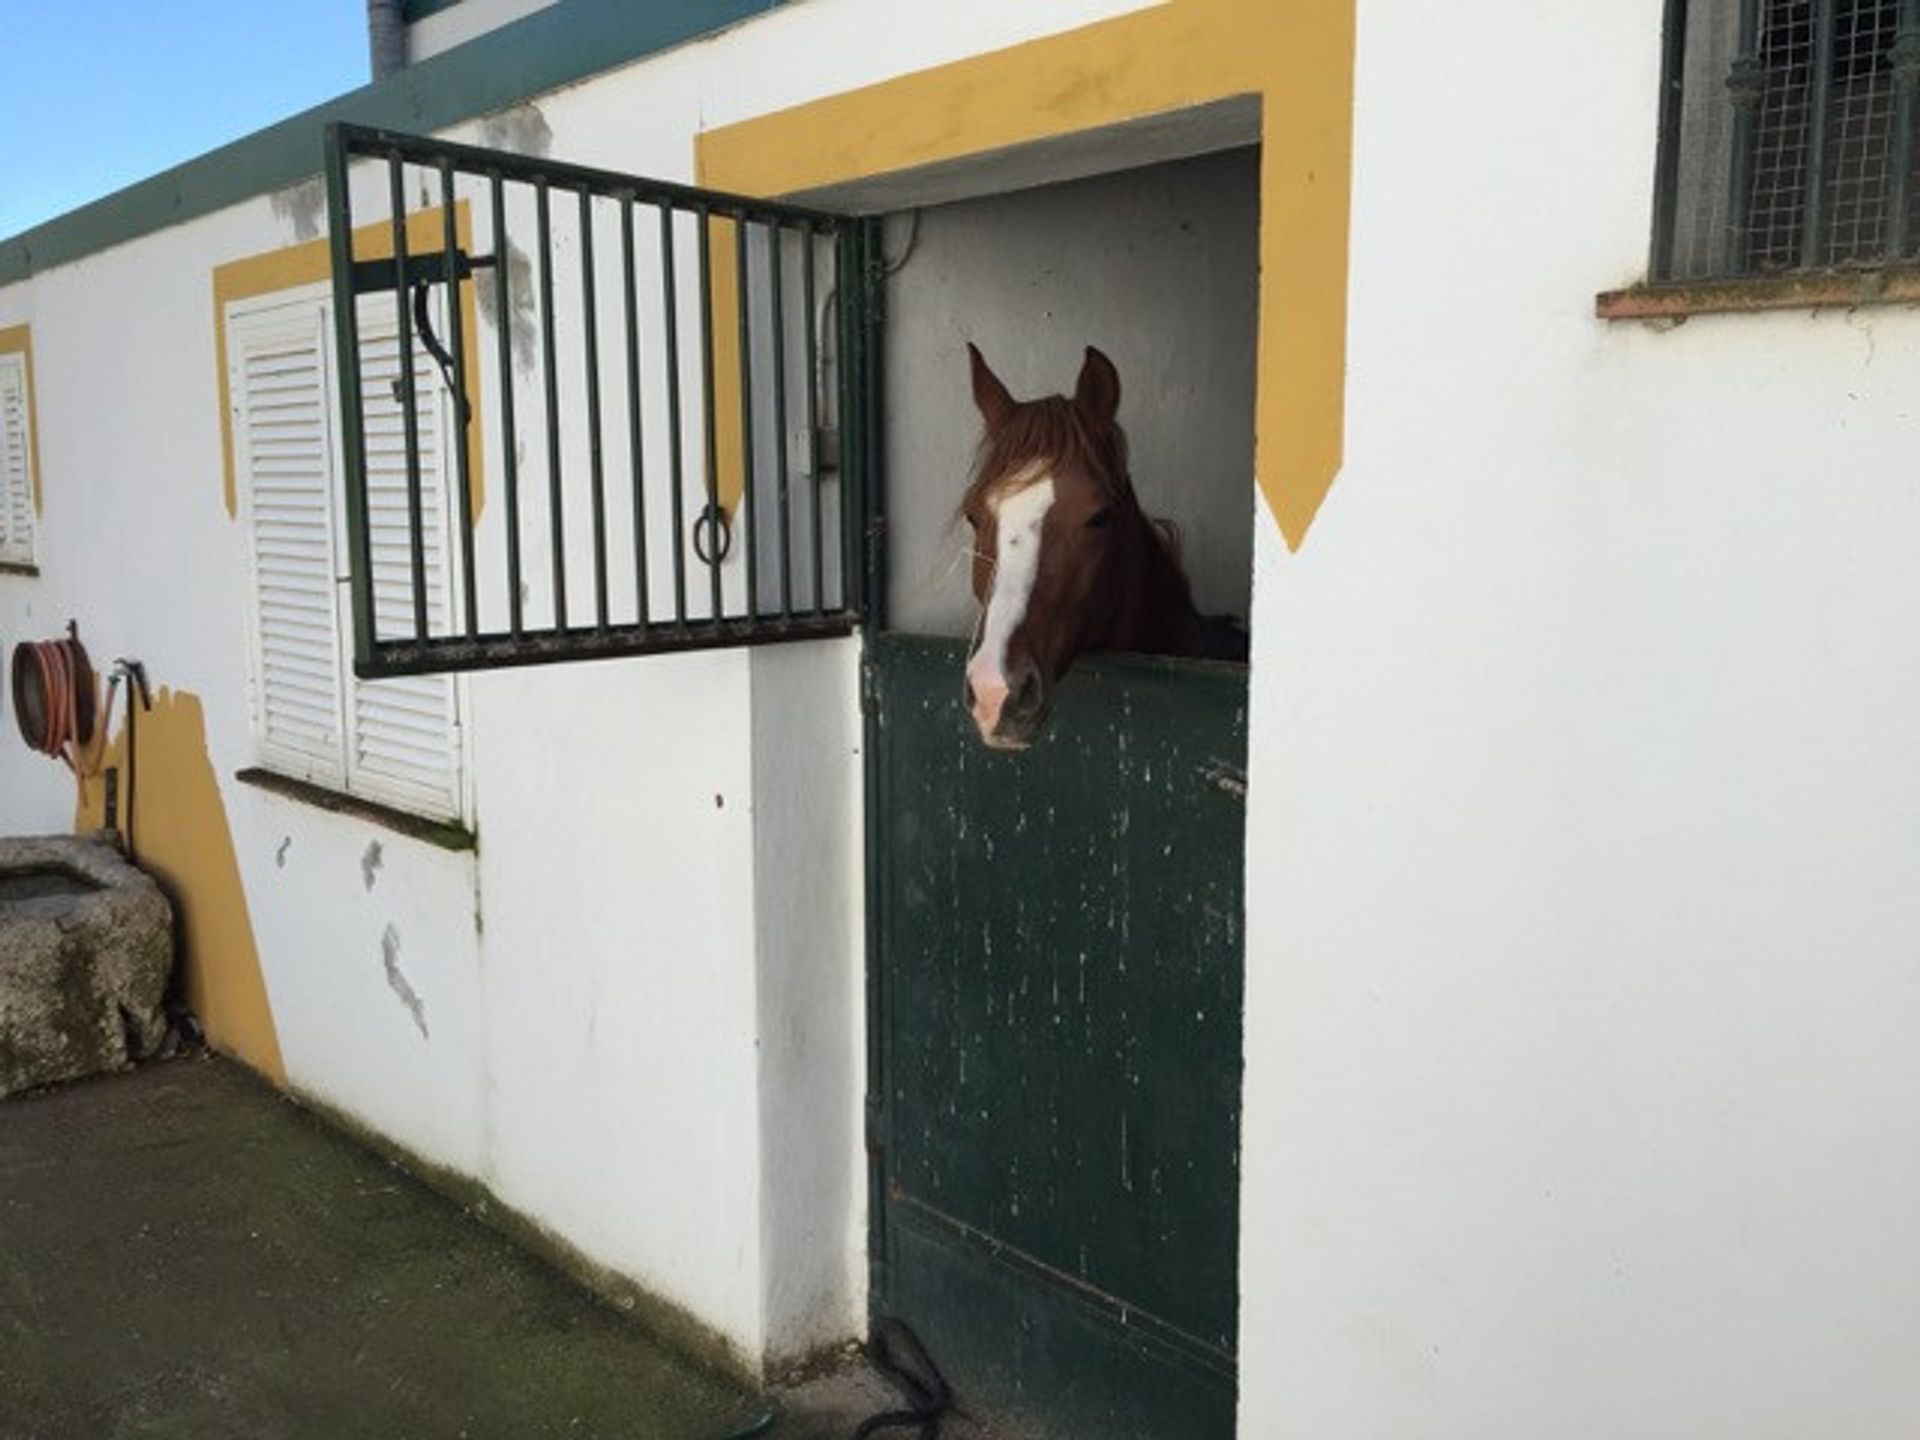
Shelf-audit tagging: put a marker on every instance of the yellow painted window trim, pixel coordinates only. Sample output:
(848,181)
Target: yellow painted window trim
(18,340)
(1297,58)
(310,263)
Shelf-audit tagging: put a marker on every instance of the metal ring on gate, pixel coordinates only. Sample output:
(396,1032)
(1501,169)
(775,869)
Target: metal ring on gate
(713,522)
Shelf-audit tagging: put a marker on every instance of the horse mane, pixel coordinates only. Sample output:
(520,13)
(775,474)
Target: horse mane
(1052,433)
(1047,434)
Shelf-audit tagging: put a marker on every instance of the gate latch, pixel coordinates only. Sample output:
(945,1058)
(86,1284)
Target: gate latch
(421,272)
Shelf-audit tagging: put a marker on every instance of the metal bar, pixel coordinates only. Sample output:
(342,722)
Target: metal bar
(556,516)
(409,416)
(707,407)
(1904,59)
(1813,214)
(596,465)
(675,463)
(1666,165)
(463,406)
(538,169)
(1746,88)
(497,650)
(749,503)
(819,577)
(849,267)
(871,593)
(509,450)
(380,275)
(876,742)
(637,464)
(353,442)
(778,310)
(876,738)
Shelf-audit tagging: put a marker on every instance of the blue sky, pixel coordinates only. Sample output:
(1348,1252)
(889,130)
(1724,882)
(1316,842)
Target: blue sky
(99,96)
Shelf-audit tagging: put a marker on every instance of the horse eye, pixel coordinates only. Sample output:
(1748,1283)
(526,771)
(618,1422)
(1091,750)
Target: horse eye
(1098,520)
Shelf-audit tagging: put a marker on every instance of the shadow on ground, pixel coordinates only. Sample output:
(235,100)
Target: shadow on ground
(185,1253)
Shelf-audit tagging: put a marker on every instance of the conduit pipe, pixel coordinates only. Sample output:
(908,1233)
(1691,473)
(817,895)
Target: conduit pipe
(386,37)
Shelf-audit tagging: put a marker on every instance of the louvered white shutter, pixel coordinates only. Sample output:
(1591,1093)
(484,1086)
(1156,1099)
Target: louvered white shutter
(284,455)
(394,741)
(405,745)
(16,482)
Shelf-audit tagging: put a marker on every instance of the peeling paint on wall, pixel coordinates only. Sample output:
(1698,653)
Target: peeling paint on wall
(523,130)
(519,302)
(398,982)
(305,205)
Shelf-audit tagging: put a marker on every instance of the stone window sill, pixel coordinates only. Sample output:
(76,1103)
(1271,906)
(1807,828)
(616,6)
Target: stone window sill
(443,833)
(14,567)
(1837,289)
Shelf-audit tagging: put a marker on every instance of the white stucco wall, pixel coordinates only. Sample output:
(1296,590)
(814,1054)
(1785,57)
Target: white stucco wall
(457,24)
(643,995)
(1581,985)
(1580,981)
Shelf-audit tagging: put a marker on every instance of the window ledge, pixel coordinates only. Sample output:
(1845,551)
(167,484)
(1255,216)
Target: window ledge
(1826,290)
(444,833)
(14,567)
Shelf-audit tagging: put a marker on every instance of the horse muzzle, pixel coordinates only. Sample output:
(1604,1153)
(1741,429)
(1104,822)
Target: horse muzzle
(1008,710)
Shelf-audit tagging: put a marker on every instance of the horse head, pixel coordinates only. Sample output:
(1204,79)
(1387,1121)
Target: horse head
(1064,560)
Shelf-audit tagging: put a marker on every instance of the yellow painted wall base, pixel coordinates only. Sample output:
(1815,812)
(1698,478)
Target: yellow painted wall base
(182,838)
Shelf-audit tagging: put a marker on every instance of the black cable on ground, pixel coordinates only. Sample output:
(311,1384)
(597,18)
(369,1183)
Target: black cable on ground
(759,1426)
(898,1354)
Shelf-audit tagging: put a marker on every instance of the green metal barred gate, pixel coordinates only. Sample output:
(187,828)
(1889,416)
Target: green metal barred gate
(665,396)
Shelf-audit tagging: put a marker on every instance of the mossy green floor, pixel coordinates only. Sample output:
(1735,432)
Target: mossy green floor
(185,1253)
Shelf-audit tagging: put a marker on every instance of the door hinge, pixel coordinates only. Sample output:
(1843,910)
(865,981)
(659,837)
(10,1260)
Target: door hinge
(869,688)
(876,1126)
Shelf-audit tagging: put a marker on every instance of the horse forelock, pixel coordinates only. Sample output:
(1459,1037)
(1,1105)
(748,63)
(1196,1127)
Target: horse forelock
(1047,437)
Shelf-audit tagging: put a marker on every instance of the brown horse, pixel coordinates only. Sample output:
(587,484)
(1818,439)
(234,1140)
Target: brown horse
(1064,559)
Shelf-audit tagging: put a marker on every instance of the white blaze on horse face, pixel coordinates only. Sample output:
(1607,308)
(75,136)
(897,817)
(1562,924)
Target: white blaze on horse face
(1016,563)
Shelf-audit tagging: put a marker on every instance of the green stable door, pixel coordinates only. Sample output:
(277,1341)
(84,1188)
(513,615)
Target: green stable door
(1057,1007)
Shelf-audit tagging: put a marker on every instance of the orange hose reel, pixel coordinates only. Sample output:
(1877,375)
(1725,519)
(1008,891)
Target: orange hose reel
(56,702)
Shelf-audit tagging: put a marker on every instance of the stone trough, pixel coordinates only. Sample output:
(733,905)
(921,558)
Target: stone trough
(86,947)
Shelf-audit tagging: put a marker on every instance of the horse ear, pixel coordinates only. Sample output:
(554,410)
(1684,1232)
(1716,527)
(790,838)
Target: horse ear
(1098,391)
(988,393)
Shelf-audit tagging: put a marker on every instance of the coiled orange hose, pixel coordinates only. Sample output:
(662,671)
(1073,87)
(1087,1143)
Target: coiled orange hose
(66,684)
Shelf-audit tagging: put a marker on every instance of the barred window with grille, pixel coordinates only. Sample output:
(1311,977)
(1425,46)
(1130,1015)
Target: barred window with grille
(1787,138)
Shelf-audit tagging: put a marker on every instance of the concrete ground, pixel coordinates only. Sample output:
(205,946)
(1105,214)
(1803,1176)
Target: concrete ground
(183,1252)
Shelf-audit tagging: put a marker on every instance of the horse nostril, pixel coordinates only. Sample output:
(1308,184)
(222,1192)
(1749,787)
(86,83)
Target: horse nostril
(1025,699)
(966,691)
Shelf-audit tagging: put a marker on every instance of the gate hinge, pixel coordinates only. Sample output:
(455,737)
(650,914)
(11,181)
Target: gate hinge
(869,700)
(876,1126)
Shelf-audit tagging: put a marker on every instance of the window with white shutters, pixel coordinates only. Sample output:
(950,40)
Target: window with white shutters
(395,742)
(16,473)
